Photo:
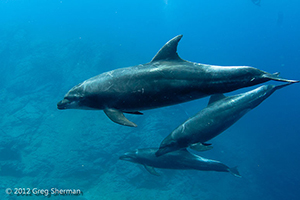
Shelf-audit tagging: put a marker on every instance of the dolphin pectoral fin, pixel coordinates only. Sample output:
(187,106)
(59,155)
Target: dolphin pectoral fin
(118,117)
(276,77)
(151,170)
(201,146)
(234,171)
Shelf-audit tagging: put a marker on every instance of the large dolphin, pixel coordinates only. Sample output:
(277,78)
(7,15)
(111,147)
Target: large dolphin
(181,159)
(220,114)
(165,81)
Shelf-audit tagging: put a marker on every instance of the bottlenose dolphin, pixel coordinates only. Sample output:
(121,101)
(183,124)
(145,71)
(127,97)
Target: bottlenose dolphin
(220,114)
(181,159)
(166,80)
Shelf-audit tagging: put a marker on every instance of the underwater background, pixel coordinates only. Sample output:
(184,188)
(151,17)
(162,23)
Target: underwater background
(49,46)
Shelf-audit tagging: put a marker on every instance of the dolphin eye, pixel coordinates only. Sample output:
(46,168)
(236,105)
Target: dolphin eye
(73,98)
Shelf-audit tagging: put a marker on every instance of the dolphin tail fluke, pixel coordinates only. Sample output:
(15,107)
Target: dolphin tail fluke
(277,87)
(276,77)
(118,117)
(234,171)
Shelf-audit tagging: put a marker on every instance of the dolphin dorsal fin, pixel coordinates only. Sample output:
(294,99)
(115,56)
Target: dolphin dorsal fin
(216,97)
(168,51)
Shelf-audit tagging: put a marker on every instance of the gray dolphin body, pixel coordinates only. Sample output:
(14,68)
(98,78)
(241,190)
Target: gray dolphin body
(166,80)
(181,159)
(220,114)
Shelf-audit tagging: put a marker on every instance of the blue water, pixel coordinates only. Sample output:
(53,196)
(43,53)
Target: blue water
(48,46)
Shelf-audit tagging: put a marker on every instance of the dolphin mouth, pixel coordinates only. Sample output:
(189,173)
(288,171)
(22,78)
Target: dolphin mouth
(125,157)
(128,156)
(161,151)
(62,105)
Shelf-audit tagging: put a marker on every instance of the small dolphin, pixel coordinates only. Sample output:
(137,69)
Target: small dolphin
(220,114)
(165,81)
(181,159)
(256,2)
